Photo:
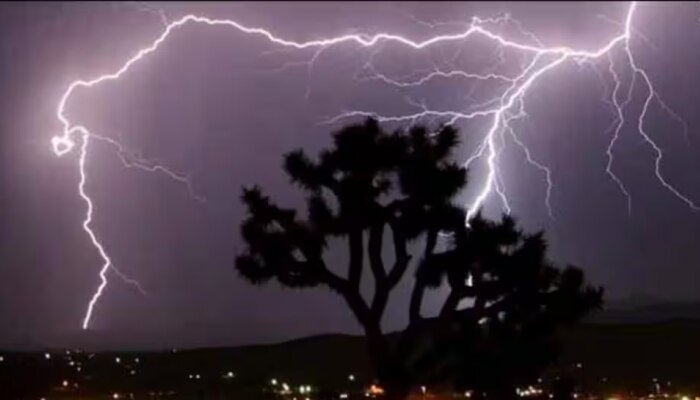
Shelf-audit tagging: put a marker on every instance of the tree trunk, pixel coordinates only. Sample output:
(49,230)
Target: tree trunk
(388,372)
(393,391)
(504,392)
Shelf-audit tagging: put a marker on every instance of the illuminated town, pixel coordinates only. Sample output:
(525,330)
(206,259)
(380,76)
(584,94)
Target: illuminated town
(201,374)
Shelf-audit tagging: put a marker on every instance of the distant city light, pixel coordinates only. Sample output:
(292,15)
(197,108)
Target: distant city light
(306,392)
(375,390)
(529,391)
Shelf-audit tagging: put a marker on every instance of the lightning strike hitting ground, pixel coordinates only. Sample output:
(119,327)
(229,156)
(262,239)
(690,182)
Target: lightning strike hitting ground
(500,111)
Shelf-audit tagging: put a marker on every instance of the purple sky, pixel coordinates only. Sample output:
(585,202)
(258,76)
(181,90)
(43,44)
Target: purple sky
(211,103)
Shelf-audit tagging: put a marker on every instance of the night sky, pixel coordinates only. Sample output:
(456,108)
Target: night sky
(216,105)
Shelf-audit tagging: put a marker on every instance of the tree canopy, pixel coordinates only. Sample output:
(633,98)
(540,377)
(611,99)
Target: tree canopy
(505,297)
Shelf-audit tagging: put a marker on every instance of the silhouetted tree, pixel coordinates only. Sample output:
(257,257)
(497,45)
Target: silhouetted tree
(372,181)
(516,300)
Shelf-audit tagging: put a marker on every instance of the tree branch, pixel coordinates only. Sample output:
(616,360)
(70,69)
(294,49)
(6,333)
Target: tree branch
(450,304)
(419,285)
(402,257)
(381,291)
(376,262)
(350,294)
(397,271)
(356,258)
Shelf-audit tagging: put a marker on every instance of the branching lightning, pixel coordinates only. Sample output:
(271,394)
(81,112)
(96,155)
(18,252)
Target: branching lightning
(131,159)
(500,112)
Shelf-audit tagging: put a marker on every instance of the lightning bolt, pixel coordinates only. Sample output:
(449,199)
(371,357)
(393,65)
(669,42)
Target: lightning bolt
(131,159)
(508,107)
(501,111)
(107,262)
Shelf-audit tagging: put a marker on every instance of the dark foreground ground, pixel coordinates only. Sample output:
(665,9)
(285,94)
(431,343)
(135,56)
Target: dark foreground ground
(606,360)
